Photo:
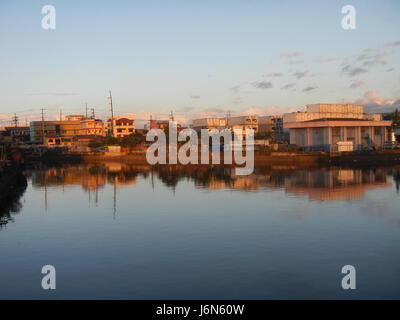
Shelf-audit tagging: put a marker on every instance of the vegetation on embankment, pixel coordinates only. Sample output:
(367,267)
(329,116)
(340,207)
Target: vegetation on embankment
(12,185)
(278,158)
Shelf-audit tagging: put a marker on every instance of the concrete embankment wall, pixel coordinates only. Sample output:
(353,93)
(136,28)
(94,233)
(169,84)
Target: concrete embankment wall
(259,158)
(277,158)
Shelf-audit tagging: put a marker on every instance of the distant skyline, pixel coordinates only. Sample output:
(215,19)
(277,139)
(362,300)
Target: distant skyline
(196,58)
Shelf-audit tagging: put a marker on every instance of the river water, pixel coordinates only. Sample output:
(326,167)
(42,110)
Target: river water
(122,232)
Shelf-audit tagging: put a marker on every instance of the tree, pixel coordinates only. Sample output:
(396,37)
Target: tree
(395,120)
(133,140)
(265,135)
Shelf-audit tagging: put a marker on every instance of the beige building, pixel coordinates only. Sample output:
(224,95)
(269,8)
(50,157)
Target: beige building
(92,127)
(63,131)
(232,123)
(120,127)
(328,126)
(209,123)
(273,124)
(243,123)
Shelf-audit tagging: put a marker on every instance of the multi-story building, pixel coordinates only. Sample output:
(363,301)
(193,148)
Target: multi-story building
(209,123)
(92,127)
(243,123)
(163,124)
(120,127)
(232,123)
(273,124)
(18,133)
(327,126)
(59,132)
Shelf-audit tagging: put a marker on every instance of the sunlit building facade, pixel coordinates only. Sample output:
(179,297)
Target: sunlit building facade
(326,127)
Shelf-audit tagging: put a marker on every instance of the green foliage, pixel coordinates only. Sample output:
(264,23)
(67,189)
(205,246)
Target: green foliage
(264,135)
(129,141)
(396,120)
(133,140)
(104,141)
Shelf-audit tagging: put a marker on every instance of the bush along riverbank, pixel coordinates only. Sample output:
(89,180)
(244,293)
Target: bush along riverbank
(12,186)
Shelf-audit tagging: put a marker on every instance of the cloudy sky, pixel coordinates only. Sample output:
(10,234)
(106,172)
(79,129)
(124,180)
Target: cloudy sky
(196,57)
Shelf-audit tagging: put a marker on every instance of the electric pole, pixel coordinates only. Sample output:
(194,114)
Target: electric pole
(15,120)
(86,111)
(94,123)
(42,126)
(60,115)
(112,115)
(151,121)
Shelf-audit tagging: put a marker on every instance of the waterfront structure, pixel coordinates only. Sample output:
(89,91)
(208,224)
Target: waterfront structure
(323,126)
(120,127)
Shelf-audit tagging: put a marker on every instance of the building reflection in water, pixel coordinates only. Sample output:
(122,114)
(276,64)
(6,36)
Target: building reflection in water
(336,184)
(317,184)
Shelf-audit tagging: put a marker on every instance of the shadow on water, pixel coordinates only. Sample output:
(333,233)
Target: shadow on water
(12,186)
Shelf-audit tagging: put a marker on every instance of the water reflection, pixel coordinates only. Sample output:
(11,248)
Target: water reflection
(336,184)
(282,232)
(317,184)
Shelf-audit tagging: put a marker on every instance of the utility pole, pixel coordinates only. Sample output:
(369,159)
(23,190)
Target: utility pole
(60,115)
(112,115)
(94,123)
(151,120)
(42,126)
(86,111)
(15,120)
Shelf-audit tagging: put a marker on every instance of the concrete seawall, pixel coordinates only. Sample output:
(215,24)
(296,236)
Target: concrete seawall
(276,158)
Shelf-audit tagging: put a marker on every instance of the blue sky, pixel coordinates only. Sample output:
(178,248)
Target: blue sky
(196,57)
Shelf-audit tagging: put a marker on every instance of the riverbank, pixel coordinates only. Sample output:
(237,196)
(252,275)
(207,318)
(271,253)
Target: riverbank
(12,185)
(278,158)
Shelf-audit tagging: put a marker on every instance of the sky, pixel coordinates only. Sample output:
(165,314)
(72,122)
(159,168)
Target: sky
(196,57)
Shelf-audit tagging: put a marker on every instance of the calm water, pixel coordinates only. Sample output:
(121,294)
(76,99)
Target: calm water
(132,233)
